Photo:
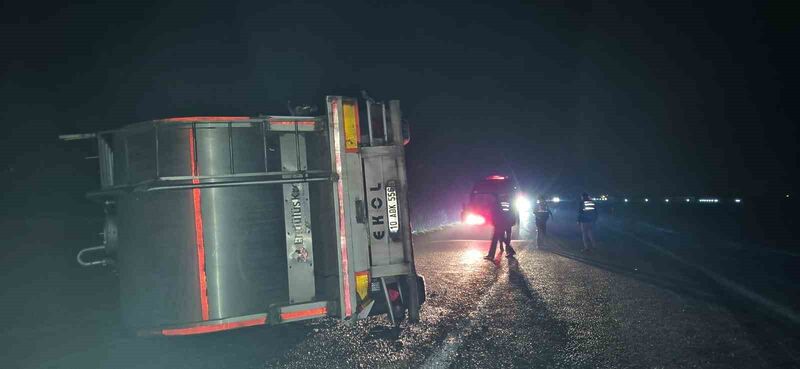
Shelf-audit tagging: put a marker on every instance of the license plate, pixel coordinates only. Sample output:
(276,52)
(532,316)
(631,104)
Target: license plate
(392,209)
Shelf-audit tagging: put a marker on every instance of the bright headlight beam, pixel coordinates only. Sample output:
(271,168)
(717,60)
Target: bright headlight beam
(522,203)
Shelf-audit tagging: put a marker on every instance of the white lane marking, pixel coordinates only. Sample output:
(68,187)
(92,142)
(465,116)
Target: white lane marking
(758,248)
(750,246)
(443,357)
(419,232)
(727,283)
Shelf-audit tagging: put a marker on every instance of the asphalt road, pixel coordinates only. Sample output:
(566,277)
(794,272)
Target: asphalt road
(644,298)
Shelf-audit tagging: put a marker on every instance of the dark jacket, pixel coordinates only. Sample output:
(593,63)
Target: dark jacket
(503,215)
(542,212)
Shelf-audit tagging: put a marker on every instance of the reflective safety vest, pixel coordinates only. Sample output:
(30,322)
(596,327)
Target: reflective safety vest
(588,212)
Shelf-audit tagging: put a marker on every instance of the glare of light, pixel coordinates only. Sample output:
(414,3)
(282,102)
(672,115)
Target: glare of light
(523,204)
(474,219)
(626,200)
(688,200)
(738,200)
(556,199)
(471,256)
(666,200)
(646,200)
(787,195)
(496,178)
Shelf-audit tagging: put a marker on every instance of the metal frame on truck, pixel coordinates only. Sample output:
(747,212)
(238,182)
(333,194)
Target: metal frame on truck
(372,195)
(345,223)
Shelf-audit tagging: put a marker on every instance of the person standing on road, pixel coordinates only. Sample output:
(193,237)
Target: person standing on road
(509,215)
(501,217)
(542,214)
(587,215)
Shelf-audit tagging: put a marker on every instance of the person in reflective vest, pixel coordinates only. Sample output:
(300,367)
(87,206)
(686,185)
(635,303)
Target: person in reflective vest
(587,215)
(542,213)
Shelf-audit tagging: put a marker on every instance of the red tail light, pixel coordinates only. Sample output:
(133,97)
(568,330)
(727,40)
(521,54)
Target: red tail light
(474,219)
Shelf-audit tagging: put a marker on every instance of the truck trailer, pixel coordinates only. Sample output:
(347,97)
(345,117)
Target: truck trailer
(221,222)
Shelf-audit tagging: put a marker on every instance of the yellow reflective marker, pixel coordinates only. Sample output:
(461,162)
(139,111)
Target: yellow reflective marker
(362,284)
(352,132)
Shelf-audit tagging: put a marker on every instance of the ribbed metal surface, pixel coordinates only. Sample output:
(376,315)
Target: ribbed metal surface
(242,228)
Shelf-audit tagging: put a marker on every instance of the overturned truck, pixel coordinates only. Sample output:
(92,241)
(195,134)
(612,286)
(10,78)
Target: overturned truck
(216,223)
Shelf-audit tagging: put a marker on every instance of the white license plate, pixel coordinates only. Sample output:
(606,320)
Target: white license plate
(392,210)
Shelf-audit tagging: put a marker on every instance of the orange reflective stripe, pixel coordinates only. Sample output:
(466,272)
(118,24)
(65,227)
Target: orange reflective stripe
(292,122)
(213,328)
(198,232)
(205,119)
(320,311)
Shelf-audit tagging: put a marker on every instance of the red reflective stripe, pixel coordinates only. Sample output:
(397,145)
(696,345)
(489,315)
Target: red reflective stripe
(213,327)
(321,311)
(348,309)
(205,119)
(198,232)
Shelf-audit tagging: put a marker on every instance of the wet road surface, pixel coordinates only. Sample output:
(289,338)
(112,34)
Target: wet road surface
(637,301)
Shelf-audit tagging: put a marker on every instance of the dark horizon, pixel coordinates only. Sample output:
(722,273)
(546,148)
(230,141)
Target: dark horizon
(656,99)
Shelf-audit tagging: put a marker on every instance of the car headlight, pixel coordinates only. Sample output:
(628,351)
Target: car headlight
(523,204)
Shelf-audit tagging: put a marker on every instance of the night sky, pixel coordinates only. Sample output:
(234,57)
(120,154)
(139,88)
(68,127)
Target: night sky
(666,98)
